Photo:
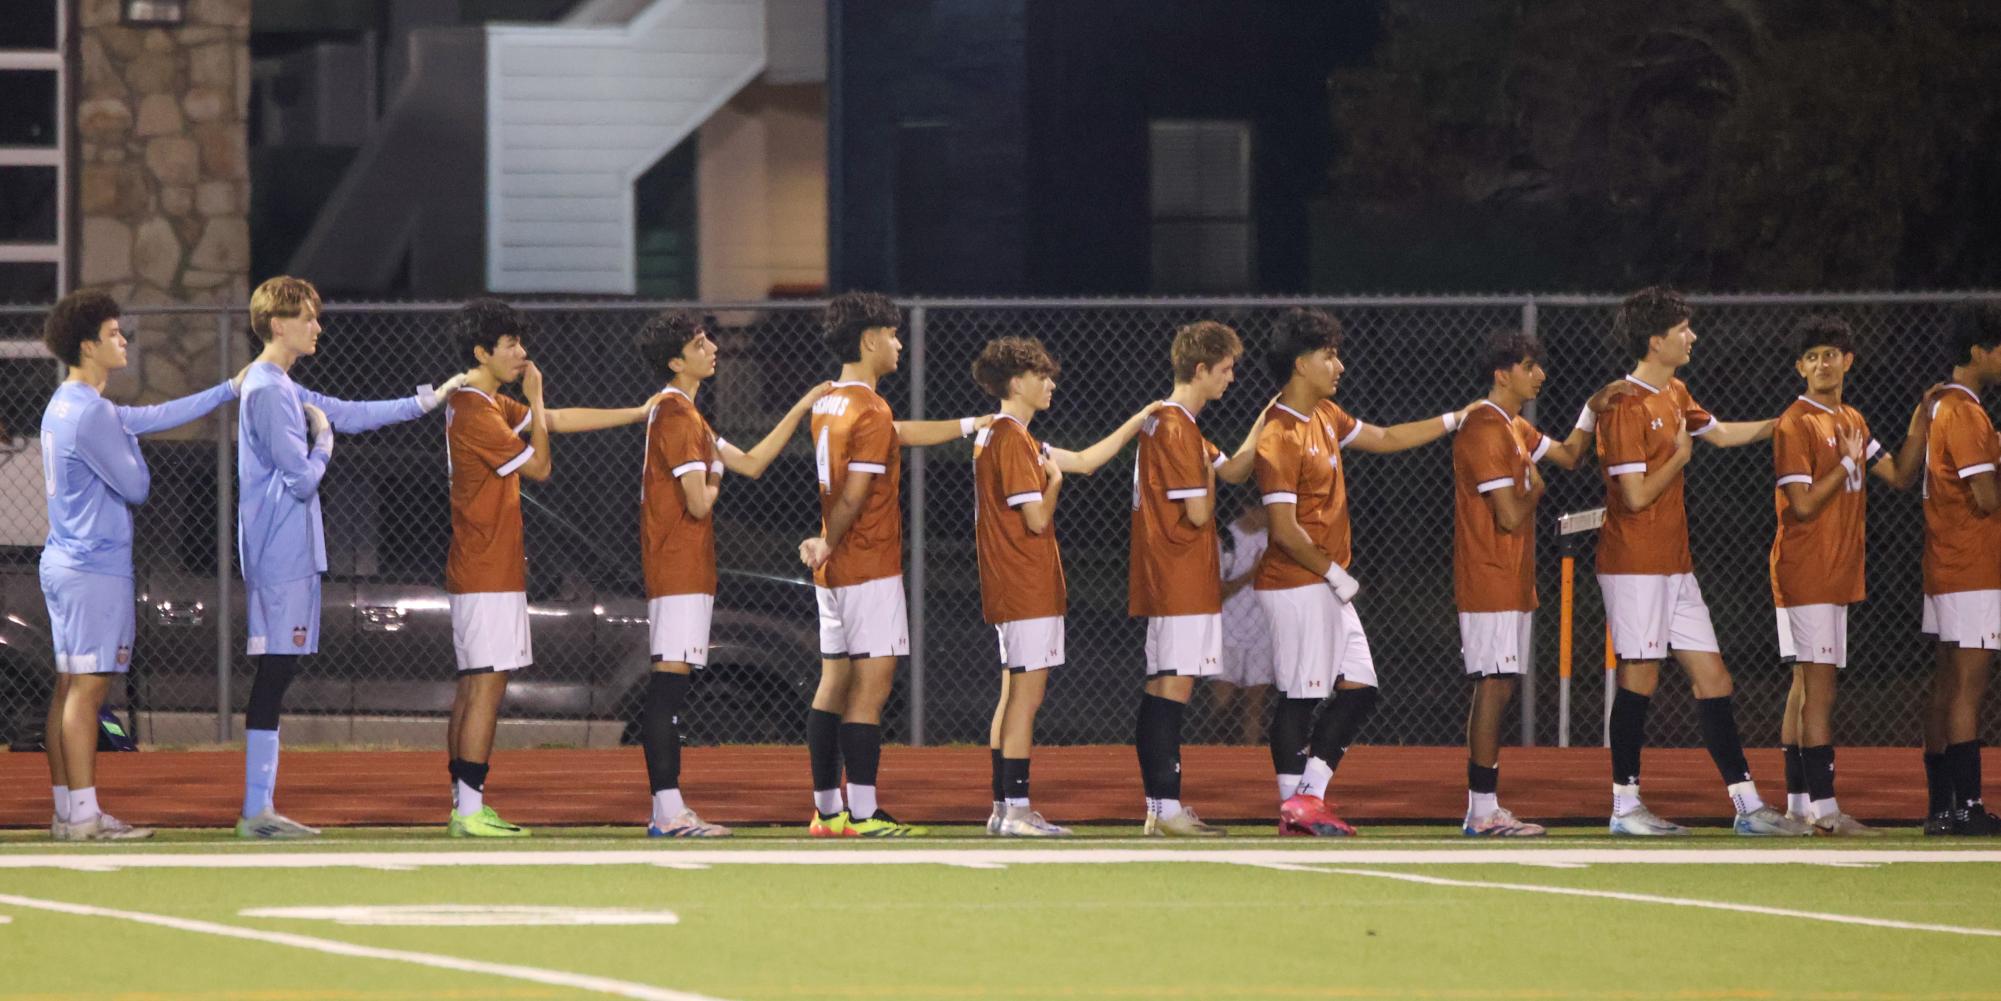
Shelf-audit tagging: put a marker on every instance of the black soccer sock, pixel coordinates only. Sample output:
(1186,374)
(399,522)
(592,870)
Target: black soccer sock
(267,690)
(1818,764)
(472,773)
(1291,726)
(1159,744)
(1014,778)
(1795,770)
(1938,783)
(1962,762)
(1481,779)
(1629,735)
(1340,721)
(1000,782)
(823,748)
(1718,720)
(861,749)
(660,728)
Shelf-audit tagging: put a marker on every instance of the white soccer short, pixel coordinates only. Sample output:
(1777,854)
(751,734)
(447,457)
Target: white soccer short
(1814,634)
(490,631)
(1316,640)
(1031,644)
(1969,619)
(284,618)
(678,627)
(864,621)
(90,620)
(1652,614)
(1190,646)
(1494,643)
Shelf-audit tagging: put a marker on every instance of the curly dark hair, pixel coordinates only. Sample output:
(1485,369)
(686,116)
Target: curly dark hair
(1648,314)
(75,319)
(1506,349)
(1973,324)
(1299,332)
(1204,342)
(1823,331)
(1003,358)
(852,314)
(482,322)
(663,338)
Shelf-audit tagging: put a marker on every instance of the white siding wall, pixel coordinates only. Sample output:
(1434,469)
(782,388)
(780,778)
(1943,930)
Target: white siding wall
(576,114)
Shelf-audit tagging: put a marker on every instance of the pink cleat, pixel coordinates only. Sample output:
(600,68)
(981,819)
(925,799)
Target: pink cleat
(1310,815)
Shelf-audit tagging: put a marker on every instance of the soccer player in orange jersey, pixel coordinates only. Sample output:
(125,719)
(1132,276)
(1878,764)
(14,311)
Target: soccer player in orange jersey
(857,563)
(1652,600)
(1176,581)
(1495,492)
(1822,453)
(486,571)
(680,479)
(1962,571)
(1016,482)
(1320,655)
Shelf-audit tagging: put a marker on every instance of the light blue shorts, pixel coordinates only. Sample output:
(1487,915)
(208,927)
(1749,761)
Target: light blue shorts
(90,620)
(285,618)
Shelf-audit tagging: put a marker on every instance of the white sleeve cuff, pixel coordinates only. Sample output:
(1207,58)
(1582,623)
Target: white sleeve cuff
(517,462)
(1705,429)
(1352,432)
(1492,485)
(525,418)
(691,466)
(1217,462)
(1281,497)
(1017,500)
(1796,478)
(1967,472)
(1184,493)
(1626,467)
(867,467)
(1587,419)
(1541,449)
(1875,449)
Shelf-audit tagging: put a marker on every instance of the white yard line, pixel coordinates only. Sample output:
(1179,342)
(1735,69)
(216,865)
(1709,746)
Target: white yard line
(1649,898)
(553,978)
(984,857)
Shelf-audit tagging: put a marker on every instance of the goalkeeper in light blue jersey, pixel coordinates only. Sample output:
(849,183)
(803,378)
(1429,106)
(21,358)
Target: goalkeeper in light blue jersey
(94,476)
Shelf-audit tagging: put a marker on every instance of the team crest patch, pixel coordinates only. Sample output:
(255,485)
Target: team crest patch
(299,636)
(124,656)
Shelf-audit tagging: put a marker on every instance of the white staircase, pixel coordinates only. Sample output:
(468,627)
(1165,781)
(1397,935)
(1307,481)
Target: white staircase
(577,111)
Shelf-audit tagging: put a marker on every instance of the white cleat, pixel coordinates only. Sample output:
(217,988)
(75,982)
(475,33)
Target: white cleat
(273,826)
(687,825)
(1641,822)
(1182,825)
(105,827)
(1501,824)
(994,819)
(1022,822)
(58,829)
(1842,825)
(1766,822)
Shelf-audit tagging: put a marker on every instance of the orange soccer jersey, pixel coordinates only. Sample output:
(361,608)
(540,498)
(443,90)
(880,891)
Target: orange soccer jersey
(1299,463)
(1175,566)
(1962,546)
(676,550)
(1492,570)
(483,450)
(853,431)
(1638,435)
(1021,572)
(1818,561)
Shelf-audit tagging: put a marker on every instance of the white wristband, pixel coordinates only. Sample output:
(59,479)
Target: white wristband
(1451,420)
(1848,463)
(965,426)
(1587,420)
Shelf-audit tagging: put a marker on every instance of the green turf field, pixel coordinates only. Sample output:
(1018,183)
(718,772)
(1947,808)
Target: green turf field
(1400,913)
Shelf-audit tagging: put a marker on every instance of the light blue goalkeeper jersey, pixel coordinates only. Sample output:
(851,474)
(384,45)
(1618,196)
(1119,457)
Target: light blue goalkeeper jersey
(94,475)
(279,537)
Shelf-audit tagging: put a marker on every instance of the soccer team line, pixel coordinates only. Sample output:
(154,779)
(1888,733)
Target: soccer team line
(1639,429)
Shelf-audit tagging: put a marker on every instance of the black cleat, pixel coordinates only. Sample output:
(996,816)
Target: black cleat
(1938,823)
(1976,822)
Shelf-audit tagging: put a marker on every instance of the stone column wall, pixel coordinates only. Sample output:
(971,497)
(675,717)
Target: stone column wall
(164,186)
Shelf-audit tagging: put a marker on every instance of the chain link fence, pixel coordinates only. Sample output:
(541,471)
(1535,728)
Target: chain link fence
(386,640)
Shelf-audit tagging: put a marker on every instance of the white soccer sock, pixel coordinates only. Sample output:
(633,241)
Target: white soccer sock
(1625,799)
(1014,803)
(1482,804)
(1287,786)
(1167,809)
(1314,781)
(60,796)
(83,805)
(470,800)
(861,801)
(1745,796)
(827,801)
(667,805)
(1823,809)
(1797,803)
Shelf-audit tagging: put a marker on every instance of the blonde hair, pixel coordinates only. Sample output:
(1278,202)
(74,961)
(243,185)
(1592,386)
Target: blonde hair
(1205,342)
(283,296)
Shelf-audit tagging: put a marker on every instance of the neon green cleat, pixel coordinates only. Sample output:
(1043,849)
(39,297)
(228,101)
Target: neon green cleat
(882,825)
(830,825)
(484,824)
